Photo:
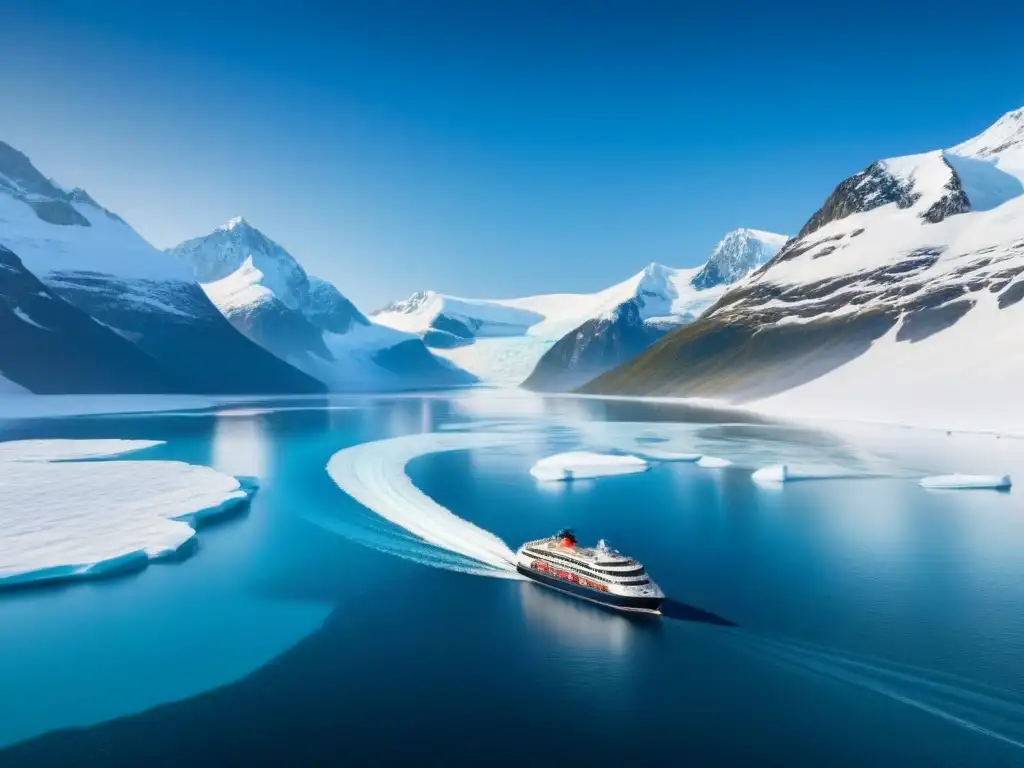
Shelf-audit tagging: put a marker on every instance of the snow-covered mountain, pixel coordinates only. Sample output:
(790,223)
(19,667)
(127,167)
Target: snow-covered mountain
(502,340)
(901,299)
(48,346)
(304,320)
(91,259)
(663,300)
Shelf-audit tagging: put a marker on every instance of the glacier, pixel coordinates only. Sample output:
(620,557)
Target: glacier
(62,517)
(502,340)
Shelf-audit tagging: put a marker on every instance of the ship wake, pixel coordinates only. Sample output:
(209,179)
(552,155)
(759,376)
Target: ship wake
(414,526)
(987,710)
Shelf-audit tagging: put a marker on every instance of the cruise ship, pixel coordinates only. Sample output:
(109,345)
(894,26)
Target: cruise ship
(598,574)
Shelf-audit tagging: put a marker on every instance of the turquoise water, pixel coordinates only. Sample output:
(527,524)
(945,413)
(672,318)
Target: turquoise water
(874,621)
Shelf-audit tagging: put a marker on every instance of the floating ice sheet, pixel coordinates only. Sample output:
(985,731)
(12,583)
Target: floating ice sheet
(65,520)
(578,465)
(65,450)
(784,473)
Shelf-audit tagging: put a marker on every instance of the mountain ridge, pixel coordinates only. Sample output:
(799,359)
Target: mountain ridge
(304,320)
(94,261)
(900,258)
(480,334)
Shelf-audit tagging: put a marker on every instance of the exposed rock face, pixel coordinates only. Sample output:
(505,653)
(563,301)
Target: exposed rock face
(872,188)
(583,354)
(329,310)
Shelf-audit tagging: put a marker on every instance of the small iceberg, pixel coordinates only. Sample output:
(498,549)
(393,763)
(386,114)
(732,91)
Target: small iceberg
(997,482)
(65,519)
(778,473)
(579,465)
(784,473)
(713,462)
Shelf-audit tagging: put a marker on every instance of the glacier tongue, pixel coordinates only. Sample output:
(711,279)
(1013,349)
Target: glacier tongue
(466,331)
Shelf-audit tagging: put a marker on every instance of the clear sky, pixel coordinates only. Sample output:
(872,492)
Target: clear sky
(483,147)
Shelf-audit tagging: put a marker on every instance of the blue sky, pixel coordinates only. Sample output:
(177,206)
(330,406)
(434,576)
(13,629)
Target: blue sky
(489,148)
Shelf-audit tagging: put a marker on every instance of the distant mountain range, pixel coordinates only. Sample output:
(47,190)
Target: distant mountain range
(569,338)
(304,320)
(900,298)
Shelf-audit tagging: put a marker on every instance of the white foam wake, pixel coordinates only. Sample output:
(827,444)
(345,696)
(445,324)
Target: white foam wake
(374,475)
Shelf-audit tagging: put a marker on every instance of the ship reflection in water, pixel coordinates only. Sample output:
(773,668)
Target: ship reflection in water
(573,622)
(587,626)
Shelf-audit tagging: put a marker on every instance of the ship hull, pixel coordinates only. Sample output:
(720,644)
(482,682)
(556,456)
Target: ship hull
(607,599)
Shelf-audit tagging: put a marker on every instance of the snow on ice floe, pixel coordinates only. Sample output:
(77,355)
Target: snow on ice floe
(713,462)
(66,450)
(997,482)
(374,475)
(579,465)
(63,519)
(784,473)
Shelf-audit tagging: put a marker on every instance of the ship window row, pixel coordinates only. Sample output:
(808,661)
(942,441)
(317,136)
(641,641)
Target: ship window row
(632,572)
(580,571)
(595,577)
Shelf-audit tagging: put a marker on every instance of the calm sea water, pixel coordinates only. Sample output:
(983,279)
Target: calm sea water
(830,622)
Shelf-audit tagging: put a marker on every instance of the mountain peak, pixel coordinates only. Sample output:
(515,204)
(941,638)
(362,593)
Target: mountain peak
(736,254)
(1005,133)
(238,222)
(220,253)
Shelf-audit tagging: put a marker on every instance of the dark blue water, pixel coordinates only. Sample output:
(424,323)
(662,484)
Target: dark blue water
(875,622)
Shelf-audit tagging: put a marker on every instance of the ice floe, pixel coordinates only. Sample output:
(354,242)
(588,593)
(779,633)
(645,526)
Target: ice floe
(997,482)
(578,465)
(62,519)
(374,475)
(784,473)
(66,450)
